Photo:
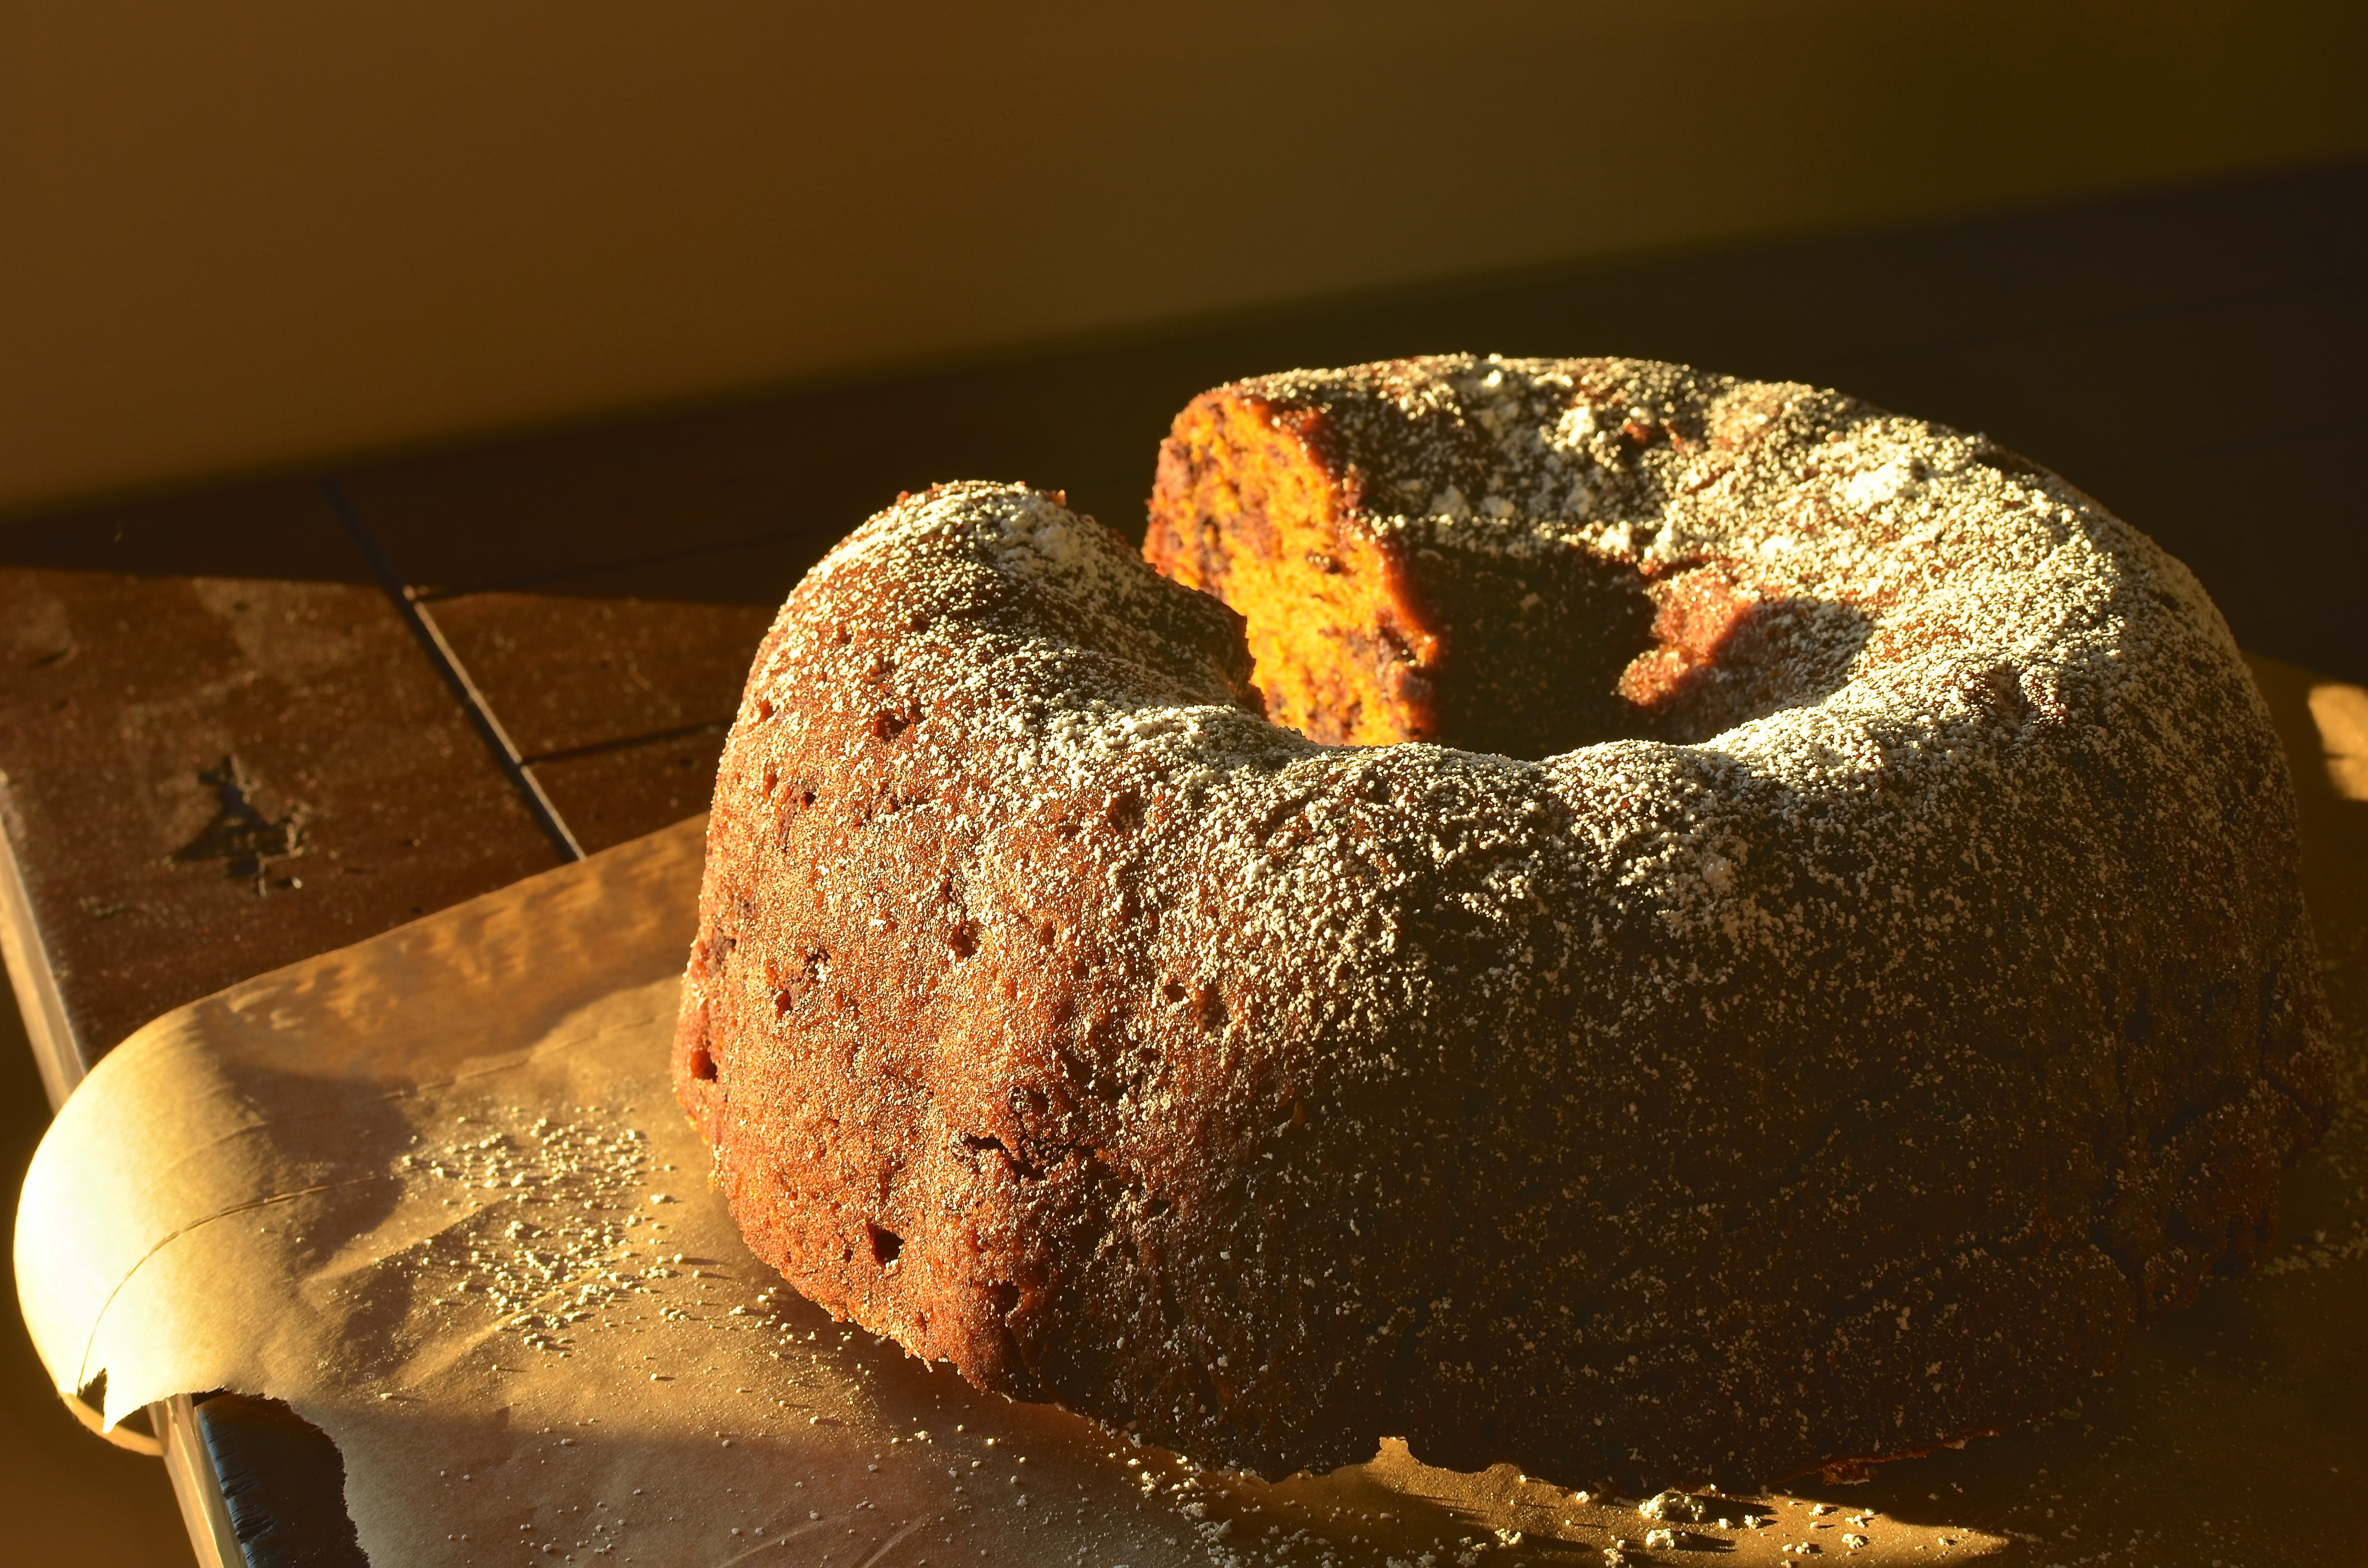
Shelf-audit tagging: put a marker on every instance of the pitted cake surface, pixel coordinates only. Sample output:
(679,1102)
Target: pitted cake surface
(1895,991)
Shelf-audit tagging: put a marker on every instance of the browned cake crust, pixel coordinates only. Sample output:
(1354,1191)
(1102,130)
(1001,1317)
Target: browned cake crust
(1843,1062)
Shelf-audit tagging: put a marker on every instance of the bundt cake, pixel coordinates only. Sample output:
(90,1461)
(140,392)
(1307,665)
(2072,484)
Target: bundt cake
(1676,929)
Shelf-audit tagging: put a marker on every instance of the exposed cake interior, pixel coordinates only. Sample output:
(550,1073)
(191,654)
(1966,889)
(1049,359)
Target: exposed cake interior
(1241,510)
(1370,628)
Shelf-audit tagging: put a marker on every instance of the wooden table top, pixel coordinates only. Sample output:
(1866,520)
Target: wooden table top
(244,726)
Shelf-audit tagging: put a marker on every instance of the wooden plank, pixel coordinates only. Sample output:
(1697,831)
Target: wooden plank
(212,770)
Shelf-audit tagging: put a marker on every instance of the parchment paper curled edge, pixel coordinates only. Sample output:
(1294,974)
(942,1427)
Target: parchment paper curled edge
(432,1190)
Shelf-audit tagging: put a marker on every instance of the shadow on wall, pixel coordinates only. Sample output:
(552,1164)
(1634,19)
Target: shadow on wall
(2101,339)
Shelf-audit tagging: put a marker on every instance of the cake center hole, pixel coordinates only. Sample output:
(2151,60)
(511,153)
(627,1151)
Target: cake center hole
(1470,632)
(1543,656)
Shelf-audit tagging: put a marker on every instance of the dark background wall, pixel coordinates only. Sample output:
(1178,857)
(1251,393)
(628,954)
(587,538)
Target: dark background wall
(251,237)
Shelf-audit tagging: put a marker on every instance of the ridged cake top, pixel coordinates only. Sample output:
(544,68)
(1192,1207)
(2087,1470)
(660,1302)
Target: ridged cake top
(1660,464)
(1947,586)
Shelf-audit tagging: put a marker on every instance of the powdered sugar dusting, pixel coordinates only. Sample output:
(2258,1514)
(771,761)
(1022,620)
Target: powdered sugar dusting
(550,1240)
(1653,1111)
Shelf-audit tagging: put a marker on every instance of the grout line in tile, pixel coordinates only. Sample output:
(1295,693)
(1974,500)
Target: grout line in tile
(625,742)
(456,675)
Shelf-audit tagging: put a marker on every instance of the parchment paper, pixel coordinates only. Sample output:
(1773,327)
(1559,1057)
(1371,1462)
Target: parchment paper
(432,1190)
